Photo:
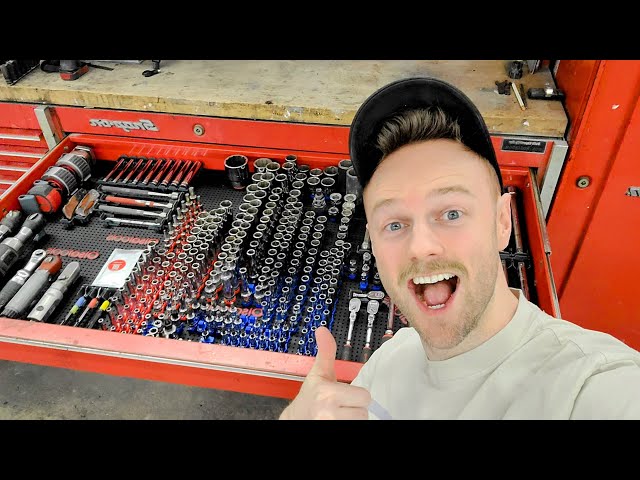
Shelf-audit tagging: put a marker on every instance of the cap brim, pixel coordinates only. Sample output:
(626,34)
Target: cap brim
(420,92)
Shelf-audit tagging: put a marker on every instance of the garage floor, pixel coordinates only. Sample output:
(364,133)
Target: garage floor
(33,392)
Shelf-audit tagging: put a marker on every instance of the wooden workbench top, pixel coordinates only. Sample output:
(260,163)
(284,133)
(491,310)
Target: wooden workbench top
(317,91)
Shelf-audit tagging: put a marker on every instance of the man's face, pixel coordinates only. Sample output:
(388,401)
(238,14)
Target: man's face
(431,212)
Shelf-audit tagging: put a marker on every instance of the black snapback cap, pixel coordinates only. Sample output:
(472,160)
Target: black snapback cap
(409,94)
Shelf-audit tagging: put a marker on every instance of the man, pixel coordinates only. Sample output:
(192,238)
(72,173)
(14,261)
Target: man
(474,348)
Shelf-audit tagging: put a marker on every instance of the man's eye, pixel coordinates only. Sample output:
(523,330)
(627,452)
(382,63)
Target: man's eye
(393,226)
(452,215)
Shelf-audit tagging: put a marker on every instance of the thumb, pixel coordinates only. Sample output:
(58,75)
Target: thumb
(326,356)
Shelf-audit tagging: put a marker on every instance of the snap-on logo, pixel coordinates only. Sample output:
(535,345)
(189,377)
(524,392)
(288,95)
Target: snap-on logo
(126,126)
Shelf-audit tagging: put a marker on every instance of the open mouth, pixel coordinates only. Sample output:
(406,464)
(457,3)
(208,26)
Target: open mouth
(435,292)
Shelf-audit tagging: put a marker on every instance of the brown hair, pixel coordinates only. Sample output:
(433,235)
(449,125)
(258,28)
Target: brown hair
(419,125)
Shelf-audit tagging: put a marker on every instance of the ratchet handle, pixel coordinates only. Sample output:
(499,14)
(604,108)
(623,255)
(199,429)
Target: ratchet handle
(366,353)
(346,352)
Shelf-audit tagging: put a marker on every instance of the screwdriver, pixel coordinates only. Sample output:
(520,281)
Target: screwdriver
(91,306)
(372,309)
(354,308)
(33,288)
(81,302)
(98,314)
(55,293)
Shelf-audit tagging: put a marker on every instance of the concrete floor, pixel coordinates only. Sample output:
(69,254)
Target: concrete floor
(33,392)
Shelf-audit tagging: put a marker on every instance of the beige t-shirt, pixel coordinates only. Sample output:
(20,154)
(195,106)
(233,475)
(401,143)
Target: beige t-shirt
(537,367)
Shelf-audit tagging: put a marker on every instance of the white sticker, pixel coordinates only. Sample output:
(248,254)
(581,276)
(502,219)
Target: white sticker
(116,270)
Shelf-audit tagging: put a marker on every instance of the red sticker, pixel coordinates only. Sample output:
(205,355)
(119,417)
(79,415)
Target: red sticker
(116,265)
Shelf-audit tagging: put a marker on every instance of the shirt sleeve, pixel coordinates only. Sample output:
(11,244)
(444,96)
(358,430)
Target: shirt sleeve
(610,394)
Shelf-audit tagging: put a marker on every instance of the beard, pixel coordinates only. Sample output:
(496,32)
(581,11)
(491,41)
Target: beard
(470,303)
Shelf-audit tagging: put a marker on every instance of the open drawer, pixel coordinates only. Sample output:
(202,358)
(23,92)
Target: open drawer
(252,368)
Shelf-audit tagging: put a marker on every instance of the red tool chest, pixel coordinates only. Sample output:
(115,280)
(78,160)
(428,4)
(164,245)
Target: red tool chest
(111,134)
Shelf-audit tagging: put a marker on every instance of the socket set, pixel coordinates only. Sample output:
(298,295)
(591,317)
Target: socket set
(14,70)
(251,258)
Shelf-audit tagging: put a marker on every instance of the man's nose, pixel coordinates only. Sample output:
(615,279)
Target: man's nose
(424,242)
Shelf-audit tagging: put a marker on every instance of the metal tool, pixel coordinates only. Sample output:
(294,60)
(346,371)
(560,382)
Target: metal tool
(125,222)
(138,193)
(121,161)
(155,70)
(388,333)
(11,247)
(33,288)
(517,235)
(80,303)
(86,207)
(91,306)
(136,202)
(69,208)
(546,93)
(377,295)
(55,293)
(99,313)
(133,212)
(9,223)
(372,309)
(147,167)
(21,276)
(354,308)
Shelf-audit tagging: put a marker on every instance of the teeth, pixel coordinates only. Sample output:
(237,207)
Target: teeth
(433,278)
(436,307)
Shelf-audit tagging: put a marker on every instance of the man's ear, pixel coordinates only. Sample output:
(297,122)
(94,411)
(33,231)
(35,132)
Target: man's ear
(503,223)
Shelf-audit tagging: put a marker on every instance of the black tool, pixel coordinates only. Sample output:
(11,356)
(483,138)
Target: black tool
(33,288)
(99,313)
(515,69)
(18,280)
(90,308)
(10,223)
(11,247)
(546,93)
(504,88)
(55,293)
(80,303)
(156,69)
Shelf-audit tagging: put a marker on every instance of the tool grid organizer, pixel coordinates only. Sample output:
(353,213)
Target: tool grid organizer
(240,323)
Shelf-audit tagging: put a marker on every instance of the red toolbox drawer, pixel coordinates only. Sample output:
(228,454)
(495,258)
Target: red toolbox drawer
(213,365)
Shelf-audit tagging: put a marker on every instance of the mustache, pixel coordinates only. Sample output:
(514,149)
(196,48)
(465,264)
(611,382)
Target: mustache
(422,268)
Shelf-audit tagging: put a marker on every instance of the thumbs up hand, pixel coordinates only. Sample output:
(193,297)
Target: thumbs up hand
(321,396)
